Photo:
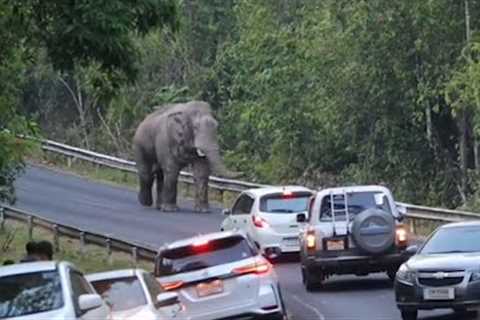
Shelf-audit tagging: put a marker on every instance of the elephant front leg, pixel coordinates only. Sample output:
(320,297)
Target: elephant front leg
(201,172)
(159,176)
(169,192)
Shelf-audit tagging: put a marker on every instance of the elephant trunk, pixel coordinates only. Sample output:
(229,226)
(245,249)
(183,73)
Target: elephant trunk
(217,165)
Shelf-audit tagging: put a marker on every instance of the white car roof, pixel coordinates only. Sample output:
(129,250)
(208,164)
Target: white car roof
(29,267)
(348,189)
(259,192)
(114,274)
(203,237)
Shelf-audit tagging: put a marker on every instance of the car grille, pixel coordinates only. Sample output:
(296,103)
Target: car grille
(432,282)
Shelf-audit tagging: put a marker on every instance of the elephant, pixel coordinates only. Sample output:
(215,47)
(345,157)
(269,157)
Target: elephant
(170,139)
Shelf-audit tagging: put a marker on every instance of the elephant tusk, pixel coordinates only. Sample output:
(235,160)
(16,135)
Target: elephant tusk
(200,153)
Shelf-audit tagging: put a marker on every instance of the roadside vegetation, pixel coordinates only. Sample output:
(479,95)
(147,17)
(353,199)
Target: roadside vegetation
(94,258)
(306,91)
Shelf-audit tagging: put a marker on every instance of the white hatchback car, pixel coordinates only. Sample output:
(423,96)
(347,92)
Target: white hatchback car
(136,294)
(221,276)
(48,290)
(269,217)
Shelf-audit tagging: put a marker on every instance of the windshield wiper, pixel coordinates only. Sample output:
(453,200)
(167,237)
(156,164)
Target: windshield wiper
(282,210)
(451,251)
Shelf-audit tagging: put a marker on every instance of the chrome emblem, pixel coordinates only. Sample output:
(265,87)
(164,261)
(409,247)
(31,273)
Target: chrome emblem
(440,275)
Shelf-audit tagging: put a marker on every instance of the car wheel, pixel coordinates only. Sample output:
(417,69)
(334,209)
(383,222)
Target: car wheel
(409,314)
(312,282)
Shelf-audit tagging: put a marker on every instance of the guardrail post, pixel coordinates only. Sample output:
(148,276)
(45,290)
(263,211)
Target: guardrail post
(108,244)
(221,196)
(56,238)
(69,162)
(82,242)
(30,227)
(2,219)
(134,256)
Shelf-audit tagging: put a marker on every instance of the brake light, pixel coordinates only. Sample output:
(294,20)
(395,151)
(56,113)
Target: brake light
(311,239)
(287,193)
(257,268)
(401,236)
(169,286)
(259,222)
(200,243)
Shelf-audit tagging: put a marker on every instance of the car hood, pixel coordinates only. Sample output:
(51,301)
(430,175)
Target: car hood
(142,312)
(449,261)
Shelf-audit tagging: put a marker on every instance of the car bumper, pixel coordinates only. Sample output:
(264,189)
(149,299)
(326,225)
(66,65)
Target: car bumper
(356,264)
(286,242)
(267,305)
(410,297)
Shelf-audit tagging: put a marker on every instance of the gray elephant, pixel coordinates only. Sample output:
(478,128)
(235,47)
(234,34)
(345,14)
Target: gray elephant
(170,139)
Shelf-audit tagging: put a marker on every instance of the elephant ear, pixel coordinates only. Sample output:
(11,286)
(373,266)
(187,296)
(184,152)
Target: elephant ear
(179,130)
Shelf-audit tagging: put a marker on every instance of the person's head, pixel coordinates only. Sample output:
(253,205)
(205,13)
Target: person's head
(31,247)
(44,250)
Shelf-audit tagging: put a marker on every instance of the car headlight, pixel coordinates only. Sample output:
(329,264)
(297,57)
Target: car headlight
(405,275)
(475,276)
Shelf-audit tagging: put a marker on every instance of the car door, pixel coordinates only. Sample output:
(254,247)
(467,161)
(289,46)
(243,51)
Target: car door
(241,211)
(80,286)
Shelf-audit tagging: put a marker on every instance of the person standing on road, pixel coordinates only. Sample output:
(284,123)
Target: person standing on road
(44,250)
(30,248)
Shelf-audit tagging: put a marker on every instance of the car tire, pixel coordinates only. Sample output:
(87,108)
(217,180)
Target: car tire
(409,314)
(312,283)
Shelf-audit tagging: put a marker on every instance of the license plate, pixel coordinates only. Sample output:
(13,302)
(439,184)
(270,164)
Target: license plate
(210,288)
(335,245)
(291,241)
(439,294)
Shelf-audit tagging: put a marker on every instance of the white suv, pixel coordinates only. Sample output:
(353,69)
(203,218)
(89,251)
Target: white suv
(48,290)
(268,216)
(352,230)
(220,276)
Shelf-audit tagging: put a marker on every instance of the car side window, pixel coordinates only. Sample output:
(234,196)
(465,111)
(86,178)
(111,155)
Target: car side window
(80,286)
(243,205)
(153,287)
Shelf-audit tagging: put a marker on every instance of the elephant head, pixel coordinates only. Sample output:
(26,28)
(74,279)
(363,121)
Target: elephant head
(205,143)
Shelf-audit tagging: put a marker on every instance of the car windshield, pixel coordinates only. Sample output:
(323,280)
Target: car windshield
(26,294)
(121,293)
(204,255)
(356,203)
(291,203)
(453,240)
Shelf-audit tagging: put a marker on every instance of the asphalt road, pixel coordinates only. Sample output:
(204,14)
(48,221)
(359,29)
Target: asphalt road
(113,210)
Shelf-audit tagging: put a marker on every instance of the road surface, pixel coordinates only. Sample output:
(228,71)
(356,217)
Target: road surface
(113,210)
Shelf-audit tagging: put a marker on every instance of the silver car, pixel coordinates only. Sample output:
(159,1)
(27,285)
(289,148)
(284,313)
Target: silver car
(444,273)
(221,276)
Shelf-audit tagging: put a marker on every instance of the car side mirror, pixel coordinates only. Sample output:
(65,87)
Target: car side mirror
(301,217)
(87,302)
(402,210)
(412,249)
(226,212)
(166,299)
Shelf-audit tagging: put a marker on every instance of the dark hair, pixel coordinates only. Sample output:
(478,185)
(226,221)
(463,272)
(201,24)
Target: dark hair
(31,247)
(45,247)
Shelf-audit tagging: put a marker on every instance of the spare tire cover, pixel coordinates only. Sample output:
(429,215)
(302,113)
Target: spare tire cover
(373,230)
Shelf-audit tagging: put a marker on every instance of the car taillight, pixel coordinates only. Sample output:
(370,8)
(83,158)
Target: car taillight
(401,236)
(258,268)
(259,222)
(311,239)
(168,286)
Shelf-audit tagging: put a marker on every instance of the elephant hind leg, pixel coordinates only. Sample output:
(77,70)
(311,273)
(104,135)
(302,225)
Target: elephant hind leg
(145,194)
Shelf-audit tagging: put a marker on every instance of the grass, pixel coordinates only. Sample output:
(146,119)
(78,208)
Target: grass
(116,177)
(14,236)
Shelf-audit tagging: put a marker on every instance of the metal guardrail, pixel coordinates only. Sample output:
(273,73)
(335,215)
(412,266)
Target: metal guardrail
(236,186)
(138,251)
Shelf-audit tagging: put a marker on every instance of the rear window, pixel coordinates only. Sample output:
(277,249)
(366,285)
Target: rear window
(356,202)
(27,294)
(281,203)
(121,293)
(204,255)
